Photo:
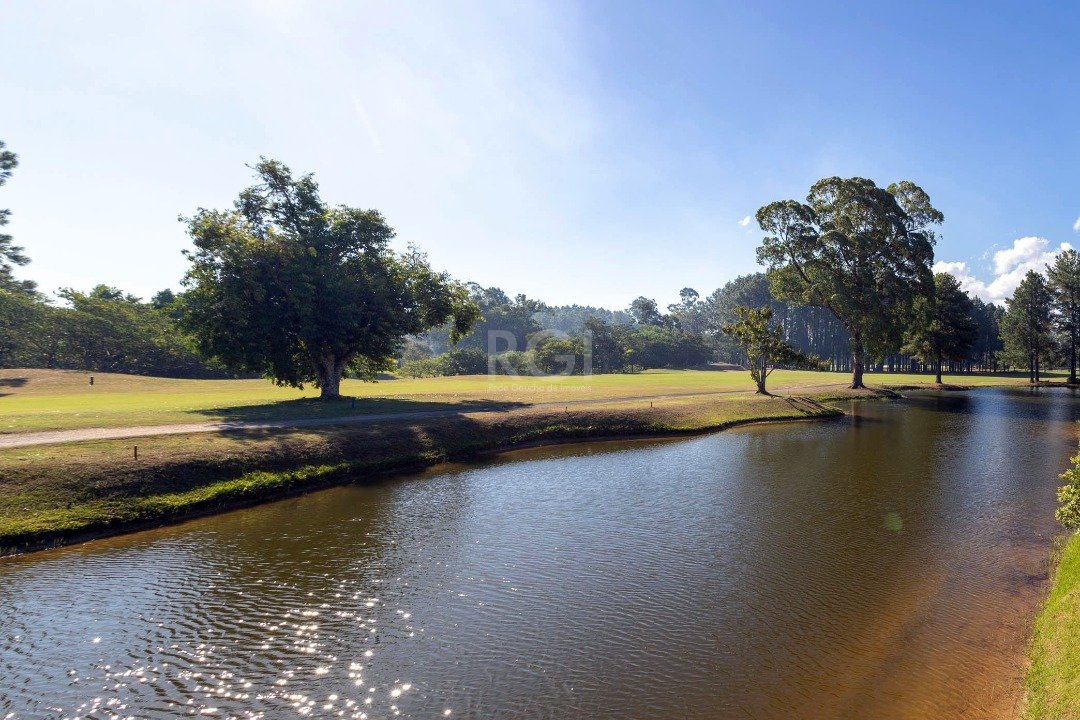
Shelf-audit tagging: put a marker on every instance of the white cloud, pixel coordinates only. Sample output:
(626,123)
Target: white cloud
(746,221)
(1076,225)
(1009,267)
(968,282)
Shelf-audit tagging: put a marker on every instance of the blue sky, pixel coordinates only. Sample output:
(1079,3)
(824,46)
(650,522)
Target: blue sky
(585,152)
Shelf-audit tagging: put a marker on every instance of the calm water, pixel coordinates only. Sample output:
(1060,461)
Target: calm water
(883,566)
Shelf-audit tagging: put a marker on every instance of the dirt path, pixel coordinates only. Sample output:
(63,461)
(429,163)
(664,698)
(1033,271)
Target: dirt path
(49,437)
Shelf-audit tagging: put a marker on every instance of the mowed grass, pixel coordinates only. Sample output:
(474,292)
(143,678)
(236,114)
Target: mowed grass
(33,400)
(1054,677)
(50,493)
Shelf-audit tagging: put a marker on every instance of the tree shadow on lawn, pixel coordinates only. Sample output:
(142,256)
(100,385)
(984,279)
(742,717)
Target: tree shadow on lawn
(807,405)
(15,382)
(373,450)
(347,408)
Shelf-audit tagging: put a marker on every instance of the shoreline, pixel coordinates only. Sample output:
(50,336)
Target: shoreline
(213,481)
(287,474)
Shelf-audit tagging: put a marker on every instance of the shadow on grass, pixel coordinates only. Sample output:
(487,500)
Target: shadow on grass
(315,409)
(15,382)
(808,405)
(351,452)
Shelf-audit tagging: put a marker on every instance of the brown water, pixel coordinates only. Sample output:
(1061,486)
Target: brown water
(883,566)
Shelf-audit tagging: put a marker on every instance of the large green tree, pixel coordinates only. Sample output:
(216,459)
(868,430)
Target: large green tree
(689,313)
(10,254)
(1064,280)
(645,311)
(944,325)
(296,289)
(861,251)
(1027,328)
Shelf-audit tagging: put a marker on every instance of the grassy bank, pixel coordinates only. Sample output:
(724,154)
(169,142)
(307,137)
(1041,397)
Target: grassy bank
(55,493)
(34,400)
(1053,681)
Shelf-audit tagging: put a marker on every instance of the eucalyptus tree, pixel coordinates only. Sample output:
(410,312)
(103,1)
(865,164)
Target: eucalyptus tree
(290,287)
(861,251)
(689,313)
(1064,281)
(944,325)
(10,254)
(645,311)
(1027,328)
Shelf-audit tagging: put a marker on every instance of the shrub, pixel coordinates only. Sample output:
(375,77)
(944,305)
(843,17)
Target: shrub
(514,362)
(1068,511)
(427,367)
(463,361)
(559,356)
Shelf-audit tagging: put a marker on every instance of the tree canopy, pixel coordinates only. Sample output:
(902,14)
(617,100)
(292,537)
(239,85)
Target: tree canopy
(943,326)
(1064,282)
(290,287)
(10,254)
(763,343)
(645,311)
(861,251)
(1028,324)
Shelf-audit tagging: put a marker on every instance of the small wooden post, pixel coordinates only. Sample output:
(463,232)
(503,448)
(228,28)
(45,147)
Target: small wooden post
(91,381)
(650,403)
(136,452)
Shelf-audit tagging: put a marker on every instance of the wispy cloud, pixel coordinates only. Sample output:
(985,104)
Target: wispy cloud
(745,222)
(1009,267)
(1076,225)
(368,125)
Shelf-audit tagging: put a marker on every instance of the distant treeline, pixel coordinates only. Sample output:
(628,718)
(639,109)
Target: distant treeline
(816,331)
(104,330)
(642,336)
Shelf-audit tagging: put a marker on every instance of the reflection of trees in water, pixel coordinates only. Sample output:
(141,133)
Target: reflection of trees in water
(848,542)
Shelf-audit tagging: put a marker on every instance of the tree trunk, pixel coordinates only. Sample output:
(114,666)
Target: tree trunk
(330,389)
(1036,368)
(758,371)
(857,365)
(328,370)
(938,379)
(1072,358)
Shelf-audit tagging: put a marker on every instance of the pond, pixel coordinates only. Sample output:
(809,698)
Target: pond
(886,565)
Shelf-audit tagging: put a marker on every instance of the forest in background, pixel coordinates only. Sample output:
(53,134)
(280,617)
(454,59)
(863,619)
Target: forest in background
(107,330)
(437,326)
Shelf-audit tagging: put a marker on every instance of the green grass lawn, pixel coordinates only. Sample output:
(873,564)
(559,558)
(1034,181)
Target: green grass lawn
(54,400)
(1054,677)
